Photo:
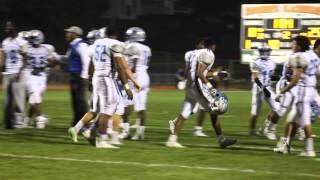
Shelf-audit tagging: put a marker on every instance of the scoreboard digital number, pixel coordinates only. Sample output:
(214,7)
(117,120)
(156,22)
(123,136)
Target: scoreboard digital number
(275,25)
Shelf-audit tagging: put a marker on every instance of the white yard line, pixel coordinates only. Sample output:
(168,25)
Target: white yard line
(133,163)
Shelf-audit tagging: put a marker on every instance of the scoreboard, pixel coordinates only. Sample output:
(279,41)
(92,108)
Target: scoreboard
(275,25)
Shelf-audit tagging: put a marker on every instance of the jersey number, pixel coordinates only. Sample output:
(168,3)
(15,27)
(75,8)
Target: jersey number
(13,56)
(311,71)
(100,53)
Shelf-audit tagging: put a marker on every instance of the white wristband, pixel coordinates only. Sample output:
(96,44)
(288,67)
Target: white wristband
(209,85)
(126,86)
(215,73)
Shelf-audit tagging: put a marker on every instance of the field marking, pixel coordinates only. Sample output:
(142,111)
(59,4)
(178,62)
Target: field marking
(187,144)
(235,146)
(132,163)
(266,148)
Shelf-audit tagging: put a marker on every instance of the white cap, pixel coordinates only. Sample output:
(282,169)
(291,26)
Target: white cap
(74,29)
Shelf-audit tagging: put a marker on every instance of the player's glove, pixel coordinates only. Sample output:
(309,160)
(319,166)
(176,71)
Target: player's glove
(257,81)
(266,92)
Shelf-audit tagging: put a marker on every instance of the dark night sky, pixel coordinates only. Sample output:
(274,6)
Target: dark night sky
(173,33)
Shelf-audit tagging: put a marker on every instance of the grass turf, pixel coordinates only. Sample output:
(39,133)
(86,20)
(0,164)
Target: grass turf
(50,154)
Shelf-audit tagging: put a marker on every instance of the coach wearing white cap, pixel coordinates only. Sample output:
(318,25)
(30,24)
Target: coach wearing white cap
(78,68)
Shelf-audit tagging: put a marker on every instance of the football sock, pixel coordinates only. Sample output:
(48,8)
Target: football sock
(126,127)
(273,126)
(266,124)
(79,126)
(198,128)
(173,138)
(309,144)
(140,130)
(103,137)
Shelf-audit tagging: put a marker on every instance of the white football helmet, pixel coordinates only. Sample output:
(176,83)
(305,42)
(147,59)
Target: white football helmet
(220,104)
(101,33)
(92,36)
(36,37)
(135,34)
(24,34)
(264,52)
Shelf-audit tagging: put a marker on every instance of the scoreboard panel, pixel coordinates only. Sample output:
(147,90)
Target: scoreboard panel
(276,25)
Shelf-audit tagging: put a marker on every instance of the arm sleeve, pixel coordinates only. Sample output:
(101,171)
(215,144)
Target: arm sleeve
(83,51)
(298,61)
(254,67)
(205,58)
(23,47)
(117,50)
(132,52)
(187,56)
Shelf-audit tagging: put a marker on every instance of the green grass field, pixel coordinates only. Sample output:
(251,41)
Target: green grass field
(50,154)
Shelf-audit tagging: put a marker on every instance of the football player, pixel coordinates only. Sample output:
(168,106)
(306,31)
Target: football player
(198,129)
(200,90)
(286,101)
(139,66)
(11,62)
(38,57)
(108,60)
(305,64)
(261,71)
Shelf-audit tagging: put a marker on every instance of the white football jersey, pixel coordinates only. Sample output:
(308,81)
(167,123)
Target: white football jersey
(54,54)
(37,57)
(265,68)
(90,50)
(203,56)
(188,56)
(103,52)
(131,52)
(287,71)
(310,63)
(13,49)
(143,55)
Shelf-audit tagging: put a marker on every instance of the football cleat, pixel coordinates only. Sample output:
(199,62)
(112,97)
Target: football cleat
(104,144)
(308,154)
(172,142)
(41,122)
(86,133)
(282,146)
(74,135)
(115,139)
(124,135)
(138,137)
(198,132)
(227,142)
(270,135)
